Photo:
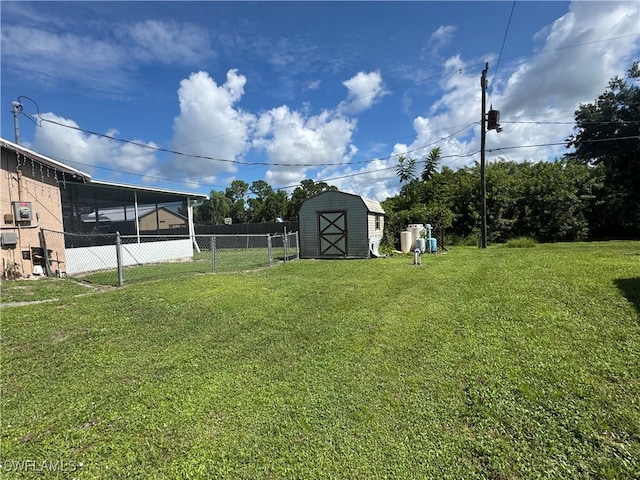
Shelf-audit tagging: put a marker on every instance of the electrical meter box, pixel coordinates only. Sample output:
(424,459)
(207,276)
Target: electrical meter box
(22,211)
(9,239)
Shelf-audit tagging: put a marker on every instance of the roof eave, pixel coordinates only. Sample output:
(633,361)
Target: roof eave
(43,159)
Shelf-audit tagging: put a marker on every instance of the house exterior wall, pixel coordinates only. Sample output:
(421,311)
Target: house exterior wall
(334,201)
(28,182)
(166,218)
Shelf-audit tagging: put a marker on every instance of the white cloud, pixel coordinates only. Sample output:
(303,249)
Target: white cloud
(564,75)
(375,180)
(314,84)
(48,57)
(573,66)
(210,125)
(102,57)
(578,54)
(442,35)
(168,42)
(87,152)
(289,137)
(364,90)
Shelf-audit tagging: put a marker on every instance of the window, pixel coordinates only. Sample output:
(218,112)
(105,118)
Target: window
(378,221)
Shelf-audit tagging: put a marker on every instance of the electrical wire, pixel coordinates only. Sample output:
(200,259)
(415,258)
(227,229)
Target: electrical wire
(397,87)
(504,40)
(30,116)
(571,123)
(388,157)
(355,174)
(317,165)
(239,162)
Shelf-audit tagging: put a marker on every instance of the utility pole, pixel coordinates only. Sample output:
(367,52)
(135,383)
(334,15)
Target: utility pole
(16,109)
(483,180)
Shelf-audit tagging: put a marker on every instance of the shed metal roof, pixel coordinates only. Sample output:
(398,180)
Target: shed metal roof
(373,205)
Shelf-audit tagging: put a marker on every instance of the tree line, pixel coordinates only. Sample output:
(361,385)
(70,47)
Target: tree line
(256,203)
(591,193)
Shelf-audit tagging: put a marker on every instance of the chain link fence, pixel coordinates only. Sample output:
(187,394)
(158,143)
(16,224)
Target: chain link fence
(113,259)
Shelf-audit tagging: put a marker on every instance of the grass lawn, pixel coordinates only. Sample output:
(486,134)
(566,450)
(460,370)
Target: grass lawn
(226,260)
(505,363)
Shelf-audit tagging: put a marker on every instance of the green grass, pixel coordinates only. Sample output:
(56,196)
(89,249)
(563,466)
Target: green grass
(499,363)
(521,242)
(40,289)
(227,260)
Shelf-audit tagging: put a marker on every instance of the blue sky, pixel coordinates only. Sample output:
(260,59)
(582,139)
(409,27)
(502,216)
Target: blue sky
(283,91)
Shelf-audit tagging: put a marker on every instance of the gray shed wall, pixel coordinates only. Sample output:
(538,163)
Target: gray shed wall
(356,217)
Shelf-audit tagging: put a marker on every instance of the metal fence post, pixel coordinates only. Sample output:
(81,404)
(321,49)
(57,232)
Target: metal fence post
(119,260)
(285,241)
(45,253)
(269,251)
(297,246)
(213,254)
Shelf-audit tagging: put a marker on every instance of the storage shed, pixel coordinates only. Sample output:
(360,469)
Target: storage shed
(336,224)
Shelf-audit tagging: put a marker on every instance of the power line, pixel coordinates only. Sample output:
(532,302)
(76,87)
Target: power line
(613,139)
(504,40)
(247,163)
(310,165)
(355,174)
(397,87)
(239,162)
(421,147)
(573,123)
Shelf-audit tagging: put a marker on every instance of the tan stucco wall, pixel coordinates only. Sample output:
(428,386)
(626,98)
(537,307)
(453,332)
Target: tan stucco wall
(28,182)
(167,220)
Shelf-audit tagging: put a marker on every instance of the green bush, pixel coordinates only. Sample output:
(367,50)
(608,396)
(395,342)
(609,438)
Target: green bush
(471,240)
(521,242)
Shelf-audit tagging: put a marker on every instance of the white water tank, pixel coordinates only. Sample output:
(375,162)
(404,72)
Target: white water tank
(405,241)
(415,229)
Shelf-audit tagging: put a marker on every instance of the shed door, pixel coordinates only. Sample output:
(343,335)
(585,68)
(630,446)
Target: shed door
(332,228)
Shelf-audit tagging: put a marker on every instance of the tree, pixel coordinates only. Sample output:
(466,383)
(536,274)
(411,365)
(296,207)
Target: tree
(607,136)
(406,169)
(267,204)
(431,164)
(307,189)
(544,200)
(237,193)
(213,210)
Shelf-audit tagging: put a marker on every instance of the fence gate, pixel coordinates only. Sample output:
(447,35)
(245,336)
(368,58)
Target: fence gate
(332,228)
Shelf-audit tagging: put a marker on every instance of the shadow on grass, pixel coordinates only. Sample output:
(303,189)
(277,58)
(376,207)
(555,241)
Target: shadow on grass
(630,288)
